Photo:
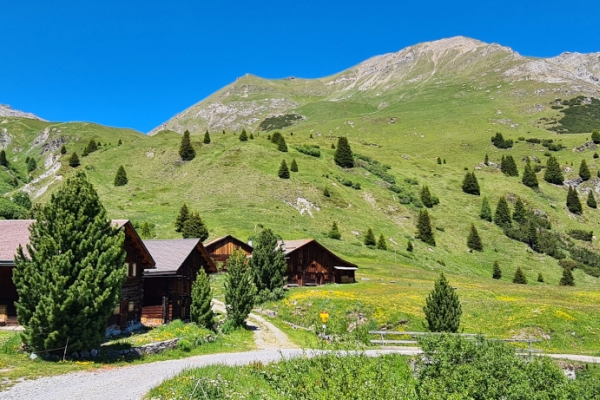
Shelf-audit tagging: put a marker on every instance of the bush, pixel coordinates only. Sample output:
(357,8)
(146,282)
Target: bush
(184,345)
(581,234)
(312,151)
(499,141)
(278,122)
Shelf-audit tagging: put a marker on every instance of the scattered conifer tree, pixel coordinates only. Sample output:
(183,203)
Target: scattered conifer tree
(584,171)
(146,231)
(27,159)
(63,149)
(381,244)
(206,137)
(68,288)
(470,184)
(409,247)
(520,213)
(186,151)
(596,136)
(439,161)
(502,216)
(120,142)
(333,146)
(281,145)
(326,192)
(276,137)
(310,136)
(3,159)
(596,155)
(251,136)
(370,238)
(184,215)
(243,136)
(497,272)
(121,177)
(92,146)
(343,154)
(426,197)
(424,231)
(573,203)
(294,166)
(444,161)
(22,199)
(529,177)
(540,278)
(239,289)
(334,232)
(201,308)
(486,160)
(508,166)
(486,211)
(553,174)
(442,308)
(591,201)
(284,172)
(268,263)
(533,237)
(84,152)
(474,241)
(74,161)
(194,228)
(31,165)
(268,137)
(223,131)
(520,277)
(567,277)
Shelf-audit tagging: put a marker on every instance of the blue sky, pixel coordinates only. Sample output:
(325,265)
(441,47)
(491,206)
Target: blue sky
(136,64)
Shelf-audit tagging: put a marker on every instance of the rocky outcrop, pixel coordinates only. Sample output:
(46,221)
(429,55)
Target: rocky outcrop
(7,111)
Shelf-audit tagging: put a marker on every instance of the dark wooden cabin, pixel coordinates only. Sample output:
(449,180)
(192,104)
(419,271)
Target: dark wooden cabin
(220,249)
(309,263)
(168,288)
(126,315)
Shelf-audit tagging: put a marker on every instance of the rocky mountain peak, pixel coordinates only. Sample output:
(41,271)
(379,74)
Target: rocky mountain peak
(7,111)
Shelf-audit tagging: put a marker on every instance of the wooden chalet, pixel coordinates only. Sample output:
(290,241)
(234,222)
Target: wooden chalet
(220,249)
(168,288)
(309,263)
(129,311)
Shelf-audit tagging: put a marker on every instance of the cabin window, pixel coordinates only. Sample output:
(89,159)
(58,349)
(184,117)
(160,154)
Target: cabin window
(117,310)
(130,306)
(133,269)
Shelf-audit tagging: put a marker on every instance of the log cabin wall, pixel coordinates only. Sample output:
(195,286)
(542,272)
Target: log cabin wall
(312,264)
(221,249)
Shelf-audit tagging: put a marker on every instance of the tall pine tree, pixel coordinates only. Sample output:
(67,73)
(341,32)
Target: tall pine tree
(553,174)
(186,151)
(502,216)
(442,308)
(591,201)
(343,153)
(486,211)
(370,238)
(201,309)
(194,227)
(268,262)
(584,171)
(121,177)
(69,278)
(573,203)
(184,215)
(424,231)
(474,241)
(470,184)
(239,289)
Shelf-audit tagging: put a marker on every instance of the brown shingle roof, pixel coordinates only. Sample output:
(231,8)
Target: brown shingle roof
(12,234)
(169,254)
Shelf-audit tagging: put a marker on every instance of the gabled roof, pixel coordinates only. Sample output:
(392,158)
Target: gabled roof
(216,242)
(170,254)
(290,246)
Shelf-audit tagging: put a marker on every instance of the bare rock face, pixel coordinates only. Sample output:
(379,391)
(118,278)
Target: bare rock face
(7,111)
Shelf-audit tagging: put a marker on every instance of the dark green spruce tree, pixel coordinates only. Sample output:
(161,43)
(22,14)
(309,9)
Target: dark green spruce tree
(3,160)
(381,244)
(92,146)
(239,289)
(275,138)
(121,177)
(486,211)
(326,192)
(243,136)
(520,277)
(486,160)
(268,264)
(294,166)
(596,136)
(206,137)
(508,166)
(584,171)
(334,232)
(409,247)
(184,215)
(424,231)
(426,197)
(520,213)
(529,177)
(370,238)
(201,309)
(284,172)
(591,201)
(186,151)
(68,288)
(343,153)
(63,149)
(496,272)
(553,174)
(474,241)
(502,216)
(470,184)
(74,160)
(194,227)
(281,145)
(31,165)
(573,203)
(540,277)
(442,308)
(567,277)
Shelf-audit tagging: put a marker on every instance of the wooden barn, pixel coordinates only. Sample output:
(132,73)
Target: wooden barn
(309,263)
(129,311)
(168,288)
(220,249)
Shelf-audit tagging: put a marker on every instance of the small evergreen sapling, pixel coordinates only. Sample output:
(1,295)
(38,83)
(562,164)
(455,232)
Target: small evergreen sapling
(502,216)
(496,272)
(442,308)
(553,174)
(201,309)
(409,247)
(3,159)
(184,215)
(520,277)
(31,165)
(439,161)
(370,238)
(121,177)
(63,149)
(486,160)
(186,151)
(486,211)
(194,227)
(573,203)
(284,172)
(596,155)
(567,277)
(584,171)
(243,136)
(474,241)
(591,201)
(596,136)
(206,137)
(381,244)
(251,136)
(333,146)
(294,166)
(540,278)
(120,142)
(326,192)
(424,231)
(470,184)
(92,146)
(74,161)
(426,198)
(275,138)
(343,154)
(334,232)
(529,177)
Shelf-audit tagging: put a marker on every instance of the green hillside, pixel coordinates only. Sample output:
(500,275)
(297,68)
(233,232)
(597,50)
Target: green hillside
(452,113)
